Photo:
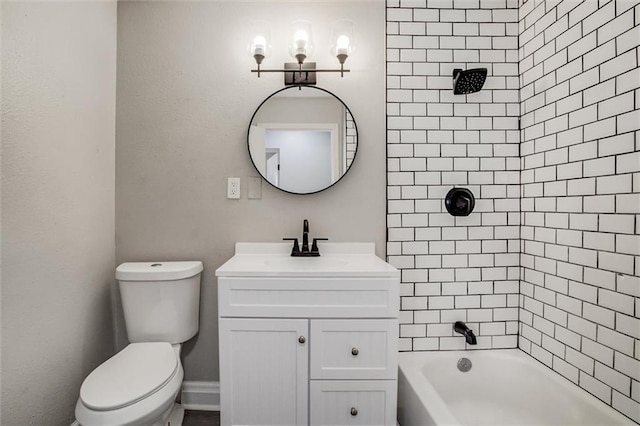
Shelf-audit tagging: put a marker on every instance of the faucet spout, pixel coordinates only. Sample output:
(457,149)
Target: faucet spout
(305,236)
(461,328)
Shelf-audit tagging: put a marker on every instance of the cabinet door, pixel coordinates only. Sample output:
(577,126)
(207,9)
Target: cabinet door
(263,371)
(353,402)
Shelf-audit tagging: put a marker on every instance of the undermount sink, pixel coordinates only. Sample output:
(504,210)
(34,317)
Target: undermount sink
(336,259)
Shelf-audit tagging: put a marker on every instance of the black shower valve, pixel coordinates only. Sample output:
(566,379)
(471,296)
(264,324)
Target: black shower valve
(459,202)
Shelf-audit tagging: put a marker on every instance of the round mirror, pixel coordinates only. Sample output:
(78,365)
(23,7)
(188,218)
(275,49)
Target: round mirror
(302,139)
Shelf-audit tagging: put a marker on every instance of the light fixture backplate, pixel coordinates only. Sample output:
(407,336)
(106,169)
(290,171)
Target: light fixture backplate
(305,77)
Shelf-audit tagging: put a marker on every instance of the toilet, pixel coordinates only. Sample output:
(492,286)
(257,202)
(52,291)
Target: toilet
(139,385)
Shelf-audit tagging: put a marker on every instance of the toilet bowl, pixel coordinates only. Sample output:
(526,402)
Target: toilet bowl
(139,385)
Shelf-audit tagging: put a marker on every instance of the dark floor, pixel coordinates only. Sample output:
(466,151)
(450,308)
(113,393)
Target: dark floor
(201,418)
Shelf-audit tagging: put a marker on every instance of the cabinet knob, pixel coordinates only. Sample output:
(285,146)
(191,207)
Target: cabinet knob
(354,411)
(355,352)
(302,339)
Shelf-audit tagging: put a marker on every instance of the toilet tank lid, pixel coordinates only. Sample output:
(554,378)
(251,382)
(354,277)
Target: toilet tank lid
(157,271)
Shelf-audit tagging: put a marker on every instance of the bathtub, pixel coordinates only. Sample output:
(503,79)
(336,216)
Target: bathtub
(503,387)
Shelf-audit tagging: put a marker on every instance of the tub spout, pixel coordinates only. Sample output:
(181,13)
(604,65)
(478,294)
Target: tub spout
(461,327)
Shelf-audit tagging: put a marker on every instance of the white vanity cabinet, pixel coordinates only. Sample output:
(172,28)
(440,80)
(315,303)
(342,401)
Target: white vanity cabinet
(308,341)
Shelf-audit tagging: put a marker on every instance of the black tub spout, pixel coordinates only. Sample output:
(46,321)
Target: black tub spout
(461,327)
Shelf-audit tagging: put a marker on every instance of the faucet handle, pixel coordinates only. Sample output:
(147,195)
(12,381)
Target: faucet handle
(314,246)
(296,247)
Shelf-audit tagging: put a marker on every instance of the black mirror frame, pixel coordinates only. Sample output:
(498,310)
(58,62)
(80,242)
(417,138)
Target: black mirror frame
(299,87)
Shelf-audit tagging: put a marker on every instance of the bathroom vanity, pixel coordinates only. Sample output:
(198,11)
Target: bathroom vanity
(308,340)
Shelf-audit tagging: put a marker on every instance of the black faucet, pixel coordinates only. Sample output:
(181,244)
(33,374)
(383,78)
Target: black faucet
(305,236)
(305,252)
(460,327)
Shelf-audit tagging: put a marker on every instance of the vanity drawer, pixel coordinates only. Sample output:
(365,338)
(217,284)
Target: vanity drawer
(308,297)
(353,402)
(354,349)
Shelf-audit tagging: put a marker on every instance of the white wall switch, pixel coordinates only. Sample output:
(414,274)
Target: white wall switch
(254,190)
(233,188)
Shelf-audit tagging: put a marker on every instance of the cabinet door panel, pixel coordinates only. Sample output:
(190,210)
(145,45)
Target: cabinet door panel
(263,371)
(354,349)
(353,402)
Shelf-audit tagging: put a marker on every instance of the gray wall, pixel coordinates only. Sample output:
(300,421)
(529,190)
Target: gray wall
(580,303)
(184,100)
(58,184)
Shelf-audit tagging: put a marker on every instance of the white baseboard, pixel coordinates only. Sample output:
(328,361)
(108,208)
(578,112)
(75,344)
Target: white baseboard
(201,395)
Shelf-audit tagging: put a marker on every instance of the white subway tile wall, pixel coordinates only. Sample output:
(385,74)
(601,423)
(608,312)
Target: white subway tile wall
(580,158)
(550,259)
(351,138)
(463,268)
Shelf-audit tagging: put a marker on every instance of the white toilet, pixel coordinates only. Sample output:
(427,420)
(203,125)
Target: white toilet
(139,385)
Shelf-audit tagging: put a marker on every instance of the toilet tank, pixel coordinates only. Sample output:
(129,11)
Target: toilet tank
(160,300)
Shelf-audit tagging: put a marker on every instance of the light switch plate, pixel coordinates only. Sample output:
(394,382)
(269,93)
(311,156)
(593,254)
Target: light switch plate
(233,188)
(254,190)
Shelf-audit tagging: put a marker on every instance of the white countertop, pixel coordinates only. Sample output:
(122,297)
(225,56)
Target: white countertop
(336,260)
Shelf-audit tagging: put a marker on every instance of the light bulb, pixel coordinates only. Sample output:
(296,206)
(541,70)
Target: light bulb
(342,40)
(342,45)
(301,39)
(259,45)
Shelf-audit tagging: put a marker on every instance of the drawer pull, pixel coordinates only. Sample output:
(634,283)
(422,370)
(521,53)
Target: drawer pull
(354,411)
(301,339)
(355,352)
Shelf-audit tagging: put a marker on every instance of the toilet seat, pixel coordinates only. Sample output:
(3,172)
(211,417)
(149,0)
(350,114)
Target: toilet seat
(131,375)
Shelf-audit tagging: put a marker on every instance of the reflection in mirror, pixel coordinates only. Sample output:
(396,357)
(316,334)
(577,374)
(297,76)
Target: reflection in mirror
(302,139)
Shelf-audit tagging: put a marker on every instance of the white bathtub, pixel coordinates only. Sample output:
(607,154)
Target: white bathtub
(504,387)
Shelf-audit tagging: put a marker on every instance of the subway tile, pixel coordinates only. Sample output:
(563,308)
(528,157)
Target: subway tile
(599,92)
(616,223)
(626,41)
(597,351)
(439,28)
(580,360)
(595,387)
(616,106)
(615,184)
(627,365)
(618,341)
(628,244)
(582,11)
(565,369)
(584,45)
(616,262)
(616,301)
(426,15)
(619,65)
(630,121)
(584,116)
(600,129)
(627,406)
(629,325)
(615,27)
(567,37)
(598,18)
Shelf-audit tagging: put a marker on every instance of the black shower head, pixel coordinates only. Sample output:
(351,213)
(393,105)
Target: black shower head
(468,81)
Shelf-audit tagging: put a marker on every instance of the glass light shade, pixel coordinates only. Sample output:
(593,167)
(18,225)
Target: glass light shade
(301,42)
(342,39)
(260,37)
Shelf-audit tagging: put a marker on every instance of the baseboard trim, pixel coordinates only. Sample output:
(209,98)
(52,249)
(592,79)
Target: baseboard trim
(200,395)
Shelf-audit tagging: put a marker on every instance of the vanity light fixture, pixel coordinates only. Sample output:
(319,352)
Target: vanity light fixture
(301,48)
